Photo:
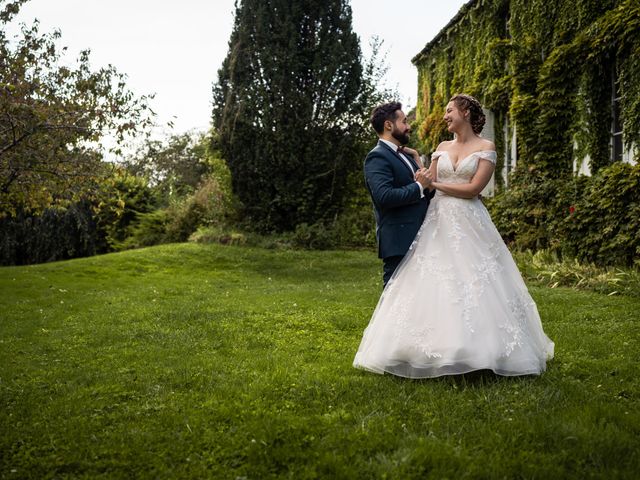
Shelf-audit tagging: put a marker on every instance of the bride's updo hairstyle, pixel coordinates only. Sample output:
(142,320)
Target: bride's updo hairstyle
(477,117)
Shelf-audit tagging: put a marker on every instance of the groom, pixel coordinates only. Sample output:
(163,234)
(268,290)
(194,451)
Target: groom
(398,186)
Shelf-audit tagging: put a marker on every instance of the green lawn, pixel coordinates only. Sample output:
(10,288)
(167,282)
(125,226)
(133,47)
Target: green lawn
(192,361)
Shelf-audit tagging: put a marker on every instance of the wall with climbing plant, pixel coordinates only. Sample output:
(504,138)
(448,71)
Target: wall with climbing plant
(549,72)
(547,67)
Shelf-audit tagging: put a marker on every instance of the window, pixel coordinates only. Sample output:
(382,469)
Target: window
(616,121)
(489,133)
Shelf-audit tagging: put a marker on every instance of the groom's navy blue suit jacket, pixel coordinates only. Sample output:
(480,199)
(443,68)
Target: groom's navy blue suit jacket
(399,210)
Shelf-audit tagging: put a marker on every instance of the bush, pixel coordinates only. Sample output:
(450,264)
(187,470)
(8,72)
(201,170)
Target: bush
(547,269)
(315,237)
(98,223)
(149,229)
(523,214)
(604,226)
(121,200)
(353,228)
(211,205)
(593,219)
(218,235)
(56,234)
(183,218)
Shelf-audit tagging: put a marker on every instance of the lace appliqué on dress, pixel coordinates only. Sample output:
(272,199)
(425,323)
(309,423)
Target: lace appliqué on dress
(421,335)
(519,306)
(471,292)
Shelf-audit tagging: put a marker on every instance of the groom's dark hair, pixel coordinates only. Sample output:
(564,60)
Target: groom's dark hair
(382,113)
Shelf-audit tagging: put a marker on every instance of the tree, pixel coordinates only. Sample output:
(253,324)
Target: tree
(51,116)
(175,165)
(288,106)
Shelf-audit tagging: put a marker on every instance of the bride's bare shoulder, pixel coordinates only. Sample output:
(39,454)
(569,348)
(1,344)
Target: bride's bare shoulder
(444,146)
(487,144)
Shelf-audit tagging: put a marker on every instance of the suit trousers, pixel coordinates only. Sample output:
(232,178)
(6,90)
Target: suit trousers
(389,265)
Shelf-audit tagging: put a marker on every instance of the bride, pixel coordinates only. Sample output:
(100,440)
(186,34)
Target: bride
(457,302)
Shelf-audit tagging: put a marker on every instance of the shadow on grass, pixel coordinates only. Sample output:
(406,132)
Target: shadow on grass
(476,378)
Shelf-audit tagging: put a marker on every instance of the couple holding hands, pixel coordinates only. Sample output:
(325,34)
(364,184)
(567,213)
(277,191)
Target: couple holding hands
(453,299)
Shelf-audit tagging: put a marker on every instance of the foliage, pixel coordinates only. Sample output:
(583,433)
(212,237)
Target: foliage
(191,361)
(471,63)
(192,185)
(150,228)
(120,199)
(95,224)
(543,64)
(605,225)
(593,219)
(174,223)
(211,205)
(175,165)
(545,268)
(290,106)
(352,228)
(218,235)
(50,114)
(123,211)
(525,212)
(217,186)
(314,237)
(56,234)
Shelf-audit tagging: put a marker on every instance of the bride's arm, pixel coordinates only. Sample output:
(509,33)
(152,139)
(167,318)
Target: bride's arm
(474,187)
(433,170)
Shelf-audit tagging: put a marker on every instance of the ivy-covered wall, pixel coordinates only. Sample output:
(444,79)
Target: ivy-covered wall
(546,67)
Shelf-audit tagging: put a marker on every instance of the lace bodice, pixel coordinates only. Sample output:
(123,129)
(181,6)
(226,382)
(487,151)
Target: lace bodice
(466,167)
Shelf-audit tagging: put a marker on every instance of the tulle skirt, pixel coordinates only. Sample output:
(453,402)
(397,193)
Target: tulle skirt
(456,303)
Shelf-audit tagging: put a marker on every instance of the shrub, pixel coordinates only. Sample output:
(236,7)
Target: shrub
(547,269)
(593,219)
(55,234)
(316,237)
(353,228)
(604,226)
(523,213)
(218,235)
(211,205)
(149,229)
(121,198)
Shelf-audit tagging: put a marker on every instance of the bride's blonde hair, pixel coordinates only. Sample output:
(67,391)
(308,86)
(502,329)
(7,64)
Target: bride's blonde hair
(477,117)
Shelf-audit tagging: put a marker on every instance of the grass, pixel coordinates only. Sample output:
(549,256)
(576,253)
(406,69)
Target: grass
(206,361)
(544,268)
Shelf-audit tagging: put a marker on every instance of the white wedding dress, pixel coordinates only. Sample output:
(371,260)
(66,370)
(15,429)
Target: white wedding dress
(457,302)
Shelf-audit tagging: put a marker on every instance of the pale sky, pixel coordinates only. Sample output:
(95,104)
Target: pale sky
(174,49)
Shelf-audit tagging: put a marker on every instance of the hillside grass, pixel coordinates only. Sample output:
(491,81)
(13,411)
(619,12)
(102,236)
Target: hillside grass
(208,361)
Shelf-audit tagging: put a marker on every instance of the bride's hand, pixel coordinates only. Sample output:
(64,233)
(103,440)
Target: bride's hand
(411,151)
(414,154)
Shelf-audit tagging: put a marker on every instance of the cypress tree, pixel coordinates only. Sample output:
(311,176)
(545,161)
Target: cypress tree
(288,108)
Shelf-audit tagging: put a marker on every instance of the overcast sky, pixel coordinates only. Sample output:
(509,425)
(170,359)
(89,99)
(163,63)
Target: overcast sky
(174,49)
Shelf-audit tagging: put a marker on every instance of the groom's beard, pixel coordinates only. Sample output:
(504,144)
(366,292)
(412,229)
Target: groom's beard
(402,137)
